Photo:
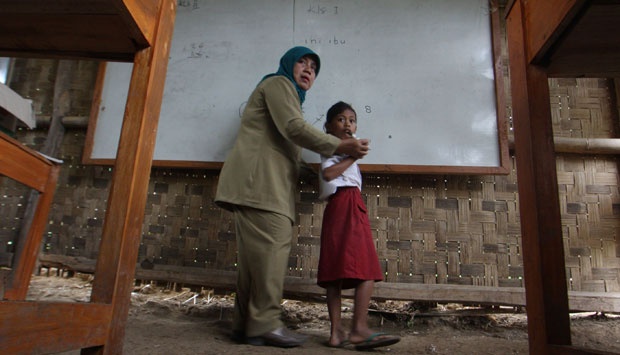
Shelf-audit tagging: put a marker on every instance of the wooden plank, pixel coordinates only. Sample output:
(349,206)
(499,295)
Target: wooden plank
(594,301)
(510,296)
(574,350)
(23,164)
(55,7)
(100,29)
(588,47)
(545,278)
(571,38)
(545,22)
(307,287)
(42,328)
(123,222)
(144,14)
(74,36)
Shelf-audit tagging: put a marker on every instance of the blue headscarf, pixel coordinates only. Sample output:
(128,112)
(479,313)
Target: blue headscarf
(287,62)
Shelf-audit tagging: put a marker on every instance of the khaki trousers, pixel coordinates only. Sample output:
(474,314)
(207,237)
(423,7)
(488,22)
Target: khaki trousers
(263,245)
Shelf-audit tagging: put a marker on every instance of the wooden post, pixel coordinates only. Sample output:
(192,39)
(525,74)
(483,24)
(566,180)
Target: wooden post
(616,101)
(114,274)
(543,253)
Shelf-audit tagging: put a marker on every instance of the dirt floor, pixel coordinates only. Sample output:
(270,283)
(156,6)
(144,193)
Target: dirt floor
(163,321)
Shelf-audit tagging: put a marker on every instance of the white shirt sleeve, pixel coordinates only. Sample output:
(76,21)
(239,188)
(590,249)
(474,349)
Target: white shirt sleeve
(350,177)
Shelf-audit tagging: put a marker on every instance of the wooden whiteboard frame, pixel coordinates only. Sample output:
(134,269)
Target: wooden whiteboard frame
(502,127)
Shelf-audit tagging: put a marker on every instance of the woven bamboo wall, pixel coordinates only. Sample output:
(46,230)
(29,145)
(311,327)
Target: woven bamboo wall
(433,229)
(428,229)
(588,185)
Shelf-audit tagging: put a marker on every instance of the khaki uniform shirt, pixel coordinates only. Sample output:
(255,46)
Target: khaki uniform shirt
(262,169)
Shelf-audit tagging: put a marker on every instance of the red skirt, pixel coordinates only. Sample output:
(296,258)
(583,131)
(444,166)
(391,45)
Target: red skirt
(348,251)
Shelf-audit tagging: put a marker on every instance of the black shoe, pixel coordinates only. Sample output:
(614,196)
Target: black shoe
(238,336)
(281,337)
(256,341)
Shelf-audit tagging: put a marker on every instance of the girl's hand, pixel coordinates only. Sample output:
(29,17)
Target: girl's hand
(356,148)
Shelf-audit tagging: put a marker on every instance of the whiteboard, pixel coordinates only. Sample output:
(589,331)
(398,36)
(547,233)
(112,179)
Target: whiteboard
(420,74)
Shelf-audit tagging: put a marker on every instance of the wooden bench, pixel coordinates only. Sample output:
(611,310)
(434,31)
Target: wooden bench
(30,168)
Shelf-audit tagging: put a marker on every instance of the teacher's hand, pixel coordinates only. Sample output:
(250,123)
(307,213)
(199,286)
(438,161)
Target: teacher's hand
(356,148)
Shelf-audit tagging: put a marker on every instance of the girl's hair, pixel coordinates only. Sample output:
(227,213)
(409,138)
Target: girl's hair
(337,108)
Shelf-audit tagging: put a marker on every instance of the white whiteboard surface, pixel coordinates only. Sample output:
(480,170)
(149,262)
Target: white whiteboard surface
(419,73)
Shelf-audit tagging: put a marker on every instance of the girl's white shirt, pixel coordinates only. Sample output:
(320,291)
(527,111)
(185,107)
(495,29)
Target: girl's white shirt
(350,177)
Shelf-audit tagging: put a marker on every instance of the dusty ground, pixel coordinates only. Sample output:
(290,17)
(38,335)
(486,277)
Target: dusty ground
(162,321)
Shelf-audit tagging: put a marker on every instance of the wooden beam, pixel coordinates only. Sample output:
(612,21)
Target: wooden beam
(296,287)
(543,256)
(124,216)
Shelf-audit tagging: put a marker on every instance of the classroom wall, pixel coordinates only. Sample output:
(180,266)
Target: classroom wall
(432,229)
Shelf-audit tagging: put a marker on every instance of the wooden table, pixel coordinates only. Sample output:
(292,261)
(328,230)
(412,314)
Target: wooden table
(137,31)
(550,38)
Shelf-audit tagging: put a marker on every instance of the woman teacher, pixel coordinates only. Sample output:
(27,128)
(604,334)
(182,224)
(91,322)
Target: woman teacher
(257,183)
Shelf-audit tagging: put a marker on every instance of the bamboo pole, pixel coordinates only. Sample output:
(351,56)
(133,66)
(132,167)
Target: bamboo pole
(594,146)
(80,122)
(587,145)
